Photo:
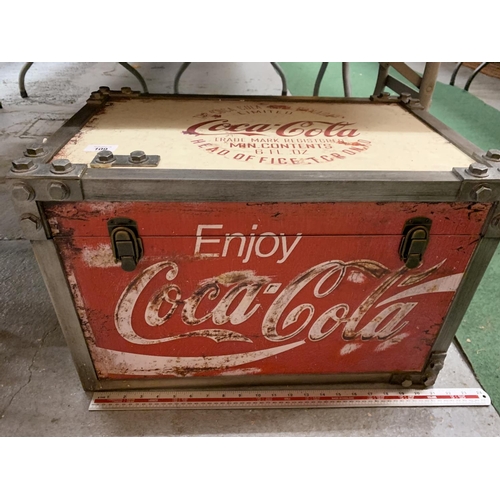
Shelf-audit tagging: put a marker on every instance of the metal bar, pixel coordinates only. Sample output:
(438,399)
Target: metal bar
(274,381)
(266,186)
(22,75)
(474,74)
(132,70)
(455,138)
(183,68)
(428,84)
(470,281)
(405,70)
(284,88)
(346,79)
(53,274)
(319,78)
(455,73)
(400,87)
(383,72)
(57,141)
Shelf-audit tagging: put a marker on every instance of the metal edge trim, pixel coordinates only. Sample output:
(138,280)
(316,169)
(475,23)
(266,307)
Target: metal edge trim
(263,186)
(52,272)
(466,290)
(244,381)
(448,133)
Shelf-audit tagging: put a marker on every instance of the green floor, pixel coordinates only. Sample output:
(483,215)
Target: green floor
(479,333)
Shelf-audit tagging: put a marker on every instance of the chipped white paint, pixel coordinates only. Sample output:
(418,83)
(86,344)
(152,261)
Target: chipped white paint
(391,342)
(349,348)
(100,256)
(445,284)
(113,362)
(356,277)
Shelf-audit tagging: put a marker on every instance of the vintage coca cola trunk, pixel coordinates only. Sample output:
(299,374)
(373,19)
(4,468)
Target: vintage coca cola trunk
(207,241)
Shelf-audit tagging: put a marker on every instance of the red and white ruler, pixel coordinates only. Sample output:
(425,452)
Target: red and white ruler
(285,398)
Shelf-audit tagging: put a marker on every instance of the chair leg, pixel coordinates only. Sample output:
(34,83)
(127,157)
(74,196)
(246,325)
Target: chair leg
(22,75)
(284,87)
(455,73)
(474,74)
(132,70)
(383,72)
(183,68)
(346,79)
(319,78)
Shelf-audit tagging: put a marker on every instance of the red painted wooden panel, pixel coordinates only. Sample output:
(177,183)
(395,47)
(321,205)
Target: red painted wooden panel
(291,304)
(182,219)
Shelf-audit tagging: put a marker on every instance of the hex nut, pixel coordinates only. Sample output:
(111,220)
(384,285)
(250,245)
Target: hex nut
(126,90)
(493,154)
(34,150)
(58,191)
(23,165)
(138,157)
(30,222)
(62,166)
(104,90)
(478,170)
(482,193)
(22,192)
(105,156)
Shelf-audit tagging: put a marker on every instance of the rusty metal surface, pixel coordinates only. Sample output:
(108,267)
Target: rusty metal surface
(263,290)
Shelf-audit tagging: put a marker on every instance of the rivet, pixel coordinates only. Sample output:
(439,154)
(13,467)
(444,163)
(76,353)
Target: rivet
(493,155)
(23,165)
(137,157)
(58,191)
(30,222)
(62,166)
(407,382)
(34,150)
(482,193)
(22,192)
(105,156)
(478,170)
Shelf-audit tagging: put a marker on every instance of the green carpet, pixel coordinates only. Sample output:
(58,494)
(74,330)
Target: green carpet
(479,333)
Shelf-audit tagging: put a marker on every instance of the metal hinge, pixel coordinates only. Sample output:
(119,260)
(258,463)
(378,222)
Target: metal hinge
(416,233)
(125,242)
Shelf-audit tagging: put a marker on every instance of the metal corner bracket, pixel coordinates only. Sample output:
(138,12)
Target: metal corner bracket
(426,378)
(483,187)
(39,182)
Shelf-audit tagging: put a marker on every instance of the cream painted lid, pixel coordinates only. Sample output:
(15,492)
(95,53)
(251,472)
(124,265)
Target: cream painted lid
(253,134)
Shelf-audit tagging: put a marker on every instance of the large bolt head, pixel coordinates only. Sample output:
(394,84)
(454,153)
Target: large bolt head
(482,193)
(493,154)
(138,156)
(23,165)
(58,191)
(30,222)
(61,166)
(478,170)
(105,156)
(22,192)
(34,150)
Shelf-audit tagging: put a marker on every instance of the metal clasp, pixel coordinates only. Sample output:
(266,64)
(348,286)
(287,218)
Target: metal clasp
(416,233)
(125,242)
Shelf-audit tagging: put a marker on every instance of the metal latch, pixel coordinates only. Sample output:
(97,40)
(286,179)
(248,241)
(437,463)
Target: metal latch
(415,239)
(125,242)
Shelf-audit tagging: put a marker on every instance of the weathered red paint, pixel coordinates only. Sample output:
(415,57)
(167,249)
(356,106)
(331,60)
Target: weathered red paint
(316,288)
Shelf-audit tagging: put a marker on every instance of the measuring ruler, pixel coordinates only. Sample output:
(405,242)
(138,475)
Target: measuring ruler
(317,398)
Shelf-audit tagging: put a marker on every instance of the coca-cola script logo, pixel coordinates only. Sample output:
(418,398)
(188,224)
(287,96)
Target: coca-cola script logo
(276,134)
(233,298)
